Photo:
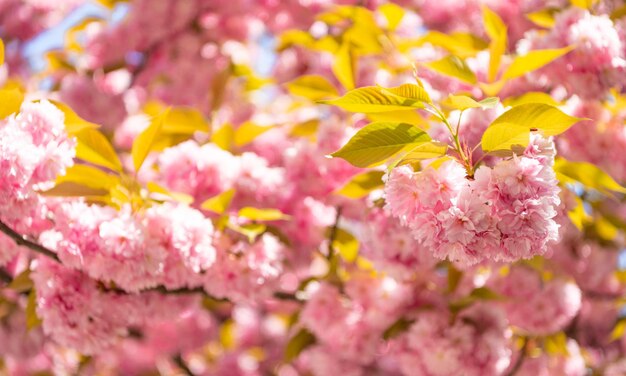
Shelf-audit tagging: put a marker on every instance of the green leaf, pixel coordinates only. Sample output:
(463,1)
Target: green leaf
(218,204)
(32,320)
(400,326)
(496,29)
(530,97)
(453,66)
(377,142)
(362,184)
(298,343)
(10,102)
(377,99)
(587,174)
(459,44)
(144,143)
(93,147)
(454,278)
(538,116)
(503,136)
(344,66)
(1,52)
(346,244)
(313,87)
(256,214)
(533,60)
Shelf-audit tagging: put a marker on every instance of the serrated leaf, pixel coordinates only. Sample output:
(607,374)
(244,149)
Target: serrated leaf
(372,99)
(453,66)
(346,244)
(427,150)
(533,60)
(377,142)
(400,326)
(496,29)
(32,320)
(247,132)
(146,140)
(93,147)
(538,116)
(313,87)
(409,92)
(10,102)
(587,174)
(298,343)
(362,184)
(344,66)
(266,214)
(220,203)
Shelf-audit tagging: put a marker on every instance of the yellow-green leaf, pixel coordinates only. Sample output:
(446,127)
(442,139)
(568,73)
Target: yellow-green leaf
(224,137)
(619,330)
(178,120)
(393,14)
(453,66)
(1,52)
(346,244)
(496,29)
(577,215)
(178,196)
(427,150)
(587,174)
(146,140)
(72,189)
(93,147)
(463,102)
(584,4)
(313,87)
(257,214)
(374,99)
(10,102)
(503,136)
(89,176)
(543,18)
(344,66)
(530,97)
(306,129)
(22,282)
(460,44)
(298,343)
(247,132)
(538,116)
(73,122)
(249,230)
(409,92)
(533,60)
(404,116)
(377,142)
(362,184)
(32,320)
(218,204)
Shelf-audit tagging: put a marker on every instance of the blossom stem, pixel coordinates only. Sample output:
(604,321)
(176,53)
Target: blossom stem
(520,359)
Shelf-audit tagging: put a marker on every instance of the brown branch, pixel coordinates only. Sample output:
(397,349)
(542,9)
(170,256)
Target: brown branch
(520,359)
(24,242)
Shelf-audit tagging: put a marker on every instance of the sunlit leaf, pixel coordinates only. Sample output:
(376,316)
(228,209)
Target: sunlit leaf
(618,330)
(313,87)
(463,102)
(577,215)
(224,137)
(177,196)
(374,99)
(409,92)
(1,52)
(376,142)
(93,147)
(250,230)
(460,44)
(247,132)
(393,14)
(346,244)
(32,320)
(584,4)
(503,136)
(220,203)
(73,122)
(453,66)
(400,326)
(89,176)
(538,116)
(533,60)
(496,29)
(344,66)
(543,18)
(306,129)
(10,102)
(427,150)
(22,282)
(267,214)
(405,116)
(144,143)
(362,184)
(587,174)
(530,97)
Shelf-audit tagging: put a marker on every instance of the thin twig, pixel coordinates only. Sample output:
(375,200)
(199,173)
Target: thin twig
(5,276)
(520,359)
(178,359)
(22,241)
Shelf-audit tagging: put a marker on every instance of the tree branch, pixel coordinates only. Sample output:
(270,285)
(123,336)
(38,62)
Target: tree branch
(22,241)
(520,360)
